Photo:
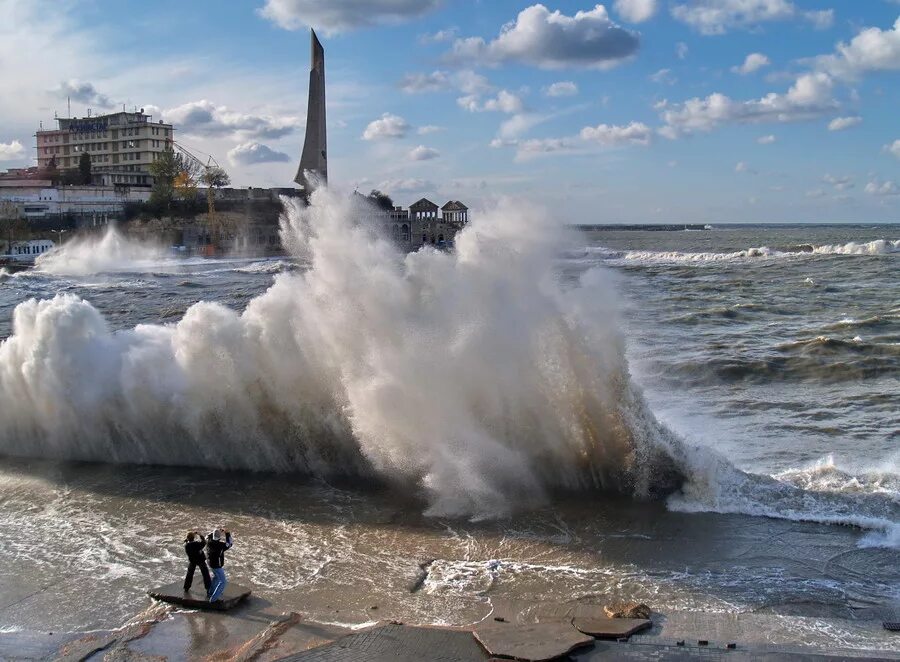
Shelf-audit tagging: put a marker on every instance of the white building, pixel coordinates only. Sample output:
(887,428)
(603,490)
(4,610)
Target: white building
(93,205)
(121,146)
(28,251)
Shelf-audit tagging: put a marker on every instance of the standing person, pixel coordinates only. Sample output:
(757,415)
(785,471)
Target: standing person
(216,544)
(193,547)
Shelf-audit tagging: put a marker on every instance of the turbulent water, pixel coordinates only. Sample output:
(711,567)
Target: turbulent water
(526,401)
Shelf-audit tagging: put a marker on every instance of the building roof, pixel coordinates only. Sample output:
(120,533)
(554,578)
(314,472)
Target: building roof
(424,203)
(454,205)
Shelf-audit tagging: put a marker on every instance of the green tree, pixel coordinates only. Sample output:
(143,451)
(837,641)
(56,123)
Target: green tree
(172,173)
(84,168)
(382,200)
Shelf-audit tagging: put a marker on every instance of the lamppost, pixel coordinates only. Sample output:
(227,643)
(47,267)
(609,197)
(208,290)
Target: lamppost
(59,234)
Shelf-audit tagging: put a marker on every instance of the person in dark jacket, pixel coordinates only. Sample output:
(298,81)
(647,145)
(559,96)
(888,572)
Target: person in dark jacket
(216,543)
(193,547)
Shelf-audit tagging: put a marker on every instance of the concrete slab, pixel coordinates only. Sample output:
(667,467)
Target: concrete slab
(611,628)
(532,642)
(196,598)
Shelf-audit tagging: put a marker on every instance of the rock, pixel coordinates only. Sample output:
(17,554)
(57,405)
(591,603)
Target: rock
(627,610)
(196,598)
(611,628)
(534,642)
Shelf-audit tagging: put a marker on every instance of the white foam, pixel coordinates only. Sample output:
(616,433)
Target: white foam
(93,255)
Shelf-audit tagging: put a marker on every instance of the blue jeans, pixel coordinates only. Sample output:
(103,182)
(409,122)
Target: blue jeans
(218,584)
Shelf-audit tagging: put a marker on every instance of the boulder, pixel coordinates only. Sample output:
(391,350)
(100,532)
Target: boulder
(627,610)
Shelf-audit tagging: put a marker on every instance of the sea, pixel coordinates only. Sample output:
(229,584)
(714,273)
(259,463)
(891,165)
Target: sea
(705,419)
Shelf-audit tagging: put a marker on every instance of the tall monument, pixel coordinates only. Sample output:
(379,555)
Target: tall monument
(314,158)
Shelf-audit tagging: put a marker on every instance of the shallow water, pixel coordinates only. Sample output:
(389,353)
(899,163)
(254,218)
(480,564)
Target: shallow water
(784,361)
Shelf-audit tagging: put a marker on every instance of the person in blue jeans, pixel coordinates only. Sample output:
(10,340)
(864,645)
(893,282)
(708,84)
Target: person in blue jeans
(216,543)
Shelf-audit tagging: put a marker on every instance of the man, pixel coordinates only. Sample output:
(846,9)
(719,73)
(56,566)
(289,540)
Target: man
(216,543)
(193,547)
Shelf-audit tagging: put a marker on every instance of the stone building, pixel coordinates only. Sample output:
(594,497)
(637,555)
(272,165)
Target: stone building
(425,224)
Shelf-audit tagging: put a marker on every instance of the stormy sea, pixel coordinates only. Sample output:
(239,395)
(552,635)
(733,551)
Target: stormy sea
(703,420)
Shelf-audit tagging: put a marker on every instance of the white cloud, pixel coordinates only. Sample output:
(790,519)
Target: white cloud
(552,40)
(387,126)
(663,76)
(766,140)
(809,97)
(636,11)
(423,153)
(711,17)
(635,133)
(519,124)
(408,185)
(11,151)
(884,188)
(440,36)
(839,183)
(841,123)
(563,88)
(82,92)
(872,49)
(681,50)
(753,62)
(332,16)
(251,153)
(466,81)
(428,128)
(505,102)
(204,118)
(603,135)
(893,148)
(816,193)
(741,166)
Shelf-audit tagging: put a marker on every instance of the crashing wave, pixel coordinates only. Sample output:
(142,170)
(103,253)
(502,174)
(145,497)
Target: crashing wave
(92,255)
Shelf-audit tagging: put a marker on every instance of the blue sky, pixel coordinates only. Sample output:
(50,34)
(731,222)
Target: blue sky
(631,111)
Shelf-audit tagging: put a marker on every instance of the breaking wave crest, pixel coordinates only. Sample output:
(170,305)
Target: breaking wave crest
(474,375)
(91,255)
(877,247)
(477,378)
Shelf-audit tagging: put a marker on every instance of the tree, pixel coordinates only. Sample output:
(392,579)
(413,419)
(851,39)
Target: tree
(185,186)
(166,171)
(382,200)
(84,168)
(215,177)
(52,170)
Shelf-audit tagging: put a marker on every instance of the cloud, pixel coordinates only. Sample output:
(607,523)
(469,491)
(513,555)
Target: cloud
(428,128)
(406,185)
(82,92)
(753,62)
(872,49)
(636,11)
(563,88)
(712,17)
(893,148)
(438,37)
(252,153)
(808,98)
(741,166)
(841,123)
(839,183)
(552,40)
(681,50)
(816,193)
(204,118)
(333,16)
(663,76)
(766,140)
(505,102)
(885,188)
(387,126)
(465,81)
(11,151)
(603,136)
(635,133)
(422,153)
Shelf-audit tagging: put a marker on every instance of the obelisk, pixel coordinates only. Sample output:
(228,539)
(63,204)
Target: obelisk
(313,159)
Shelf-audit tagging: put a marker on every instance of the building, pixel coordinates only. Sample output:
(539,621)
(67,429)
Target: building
(424,224)
(121,146)
(39,202)
(27,251)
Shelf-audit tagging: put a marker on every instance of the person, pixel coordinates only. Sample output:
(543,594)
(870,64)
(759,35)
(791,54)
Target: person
(193,547)
(216,543)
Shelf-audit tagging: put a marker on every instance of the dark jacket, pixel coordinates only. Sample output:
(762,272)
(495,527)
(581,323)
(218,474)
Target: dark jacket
(216,550)
(194,550)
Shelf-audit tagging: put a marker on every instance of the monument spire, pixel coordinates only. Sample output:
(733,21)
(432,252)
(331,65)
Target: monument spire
(314,158)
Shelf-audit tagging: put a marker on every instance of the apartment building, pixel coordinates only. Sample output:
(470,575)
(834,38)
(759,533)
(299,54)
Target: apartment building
(121,145)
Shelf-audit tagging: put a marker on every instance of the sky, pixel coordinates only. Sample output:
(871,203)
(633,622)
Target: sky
(633,111)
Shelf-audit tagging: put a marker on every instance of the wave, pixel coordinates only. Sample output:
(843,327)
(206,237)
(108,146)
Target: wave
(477,378)
(91,255)
(877,247)
(266,267)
